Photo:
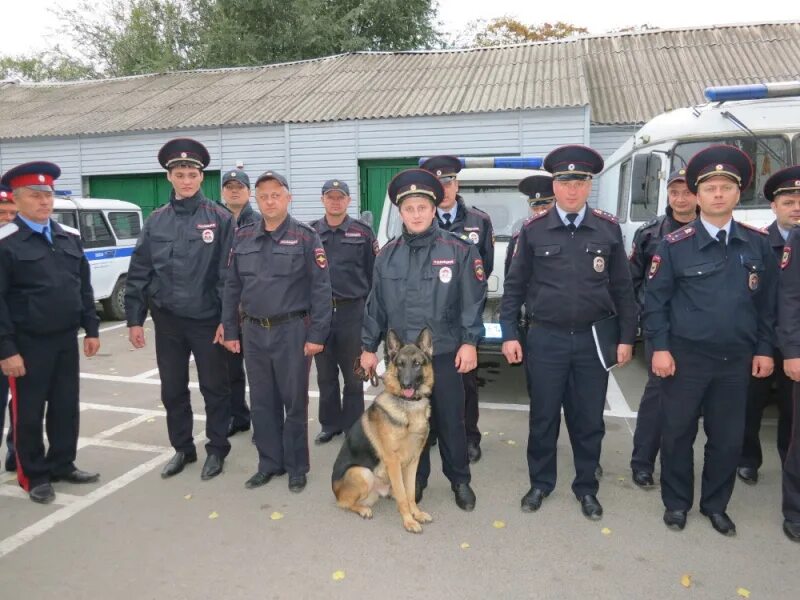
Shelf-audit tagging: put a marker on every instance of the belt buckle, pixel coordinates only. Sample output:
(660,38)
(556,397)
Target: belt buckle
(265,323)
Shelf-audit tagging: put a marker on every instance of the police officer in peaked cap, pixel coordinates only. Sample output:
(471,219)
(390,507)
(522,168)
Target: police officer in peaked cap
(8,210)
(681,209)
(470,223)
(178,271)
(539,191)
(570,270)
(709,317)
(428,277)
(45,296)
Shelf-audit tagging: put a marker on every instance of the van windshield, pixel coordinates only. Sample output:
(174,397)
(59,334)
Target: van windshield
(765,164)
(505,205)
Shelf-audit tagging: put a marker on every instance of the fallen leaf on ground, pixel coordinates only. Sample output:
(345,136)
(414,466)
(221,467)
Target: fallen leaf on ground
(620,479)
(686,581)
(511,443)
(743,592)
(499,524)
(464,545)
(276,516)
(187,497)
(151,420)
(338,575)
(605,531)
(213,515)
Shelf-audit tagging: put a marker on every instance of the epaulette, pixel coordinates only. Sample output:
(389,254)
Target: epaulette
(306,226)
(650,223)
(464,240)
(760,230)
(244,228)
(69,229)
(362,223)
(536,217)
(604,215)
(482,213)
(314,223)
(681,234)
(7,230)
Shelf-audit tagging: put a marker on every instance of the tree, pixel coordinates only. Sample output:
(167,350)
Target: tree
(45,66)
(507,30)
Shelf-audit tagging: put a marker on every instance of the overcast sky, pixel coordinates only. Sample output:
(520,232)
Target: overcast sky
(40,26)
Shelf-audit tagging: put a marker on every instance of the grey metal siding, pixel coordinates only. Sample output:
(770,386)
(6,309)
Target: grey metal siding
(65,153)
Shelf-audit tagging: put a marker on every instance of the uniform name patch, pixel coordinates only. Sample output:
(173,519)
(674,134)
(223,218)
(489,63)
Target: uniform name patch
(787,257)
(478,269)
(438,262)
(288,242)
(207,226)
(353,234)
(320,258)
(472,228)
(654,264)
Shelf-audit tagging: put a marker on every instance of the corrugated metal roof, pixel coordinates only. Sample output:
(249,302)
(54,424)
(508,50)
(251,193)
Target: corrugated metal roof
(626,78)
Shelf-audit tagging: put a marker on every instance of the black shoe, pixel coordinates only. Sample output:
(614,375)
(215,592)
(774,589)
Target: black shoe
(675,519)
(260,479)
(233,428)
(643,479)
(591,508)
(297,483)
(721,522)
(11,461)
(76,476)
(323,437)
(748,474)
(465,497)
(532,501)
(473,453)
(212,467)
(42,493)
(419,487)
(176,464)
(792,530)
(598,472)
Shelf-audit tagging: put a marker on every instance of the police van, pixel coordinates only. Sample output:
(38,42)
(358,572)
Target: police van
(109,229)
(761,120)
(489,184)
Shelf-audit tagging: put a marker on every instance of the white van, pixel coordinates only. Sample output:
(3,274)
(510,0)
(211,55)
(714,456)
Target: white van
(761,120)
(489,184)
(109,229)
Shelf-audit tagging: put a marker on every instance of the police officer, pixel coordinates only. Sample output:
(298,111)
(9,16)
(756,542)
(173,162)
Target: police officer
(178,271)
(710,317)
(471,224)
(786,206)
(45,296)
(430,278)
(570,270)
(350,246)
(782,185)
(279,276)
(681,209)
(8,210)
(236,196)
(539,190)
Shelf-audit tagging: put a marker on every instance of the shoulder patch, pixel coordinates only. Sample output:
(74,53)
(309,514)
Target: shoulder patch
(604,215)
(760,230)
(8,230)
(69,229)
(785,259)
(680,234)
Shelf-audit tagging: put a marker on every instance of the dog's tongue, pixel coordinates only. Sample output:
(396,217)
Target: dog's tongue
(409,393)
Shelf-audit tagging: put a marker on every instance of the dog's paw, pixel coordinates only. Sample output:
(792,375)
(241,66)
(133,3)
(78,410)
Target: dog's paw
(365,512)
(412,525)
(422,517)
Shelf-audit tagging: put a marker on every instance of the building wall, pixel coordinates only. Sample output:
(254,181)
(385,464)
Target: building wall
(308,154)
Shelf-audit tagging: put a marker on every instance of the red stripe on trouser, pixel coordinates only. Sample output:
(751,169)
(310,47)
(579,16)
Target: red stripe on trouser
(21,477)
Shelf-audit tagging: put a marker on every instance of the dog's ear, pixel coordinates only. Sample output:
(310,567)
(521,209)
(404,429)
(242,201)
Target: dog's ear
(425,342)
(393,344)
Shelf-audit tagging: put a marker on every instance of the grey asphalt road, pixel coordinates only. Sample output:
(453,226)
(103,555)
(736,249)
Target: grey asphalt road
(135,536)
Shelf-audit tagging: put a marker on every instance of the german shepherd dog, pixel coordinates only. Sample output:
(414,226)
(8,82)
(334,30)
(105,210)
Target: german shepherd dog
(381,451)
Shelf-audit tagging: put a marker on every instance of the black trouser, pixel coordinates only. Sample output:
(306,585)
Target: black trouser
(240,413)
(791,466)
(564,370)
(647,436)
(715,387)
(48,391)
(177,338)
(278,373)
(338,411)
(447,421)
(762,391)
(3,400)
(471,412)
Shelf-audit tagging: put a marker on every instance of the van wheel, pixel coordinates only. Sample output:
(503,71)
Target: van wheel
(114,305)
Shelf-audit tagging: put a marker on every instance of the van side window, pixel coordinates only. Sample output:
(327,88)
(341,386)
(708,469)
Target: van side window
(125,224)
(66,217)
(94,230)
(624,190)
(645,186)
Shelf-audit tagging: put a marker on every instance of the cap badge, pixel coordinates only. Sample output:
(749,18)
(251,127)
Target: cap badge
(233,173)
(571,167)
(183,155)
(413,187)
(719,167)
(797,183)
(335,184)
(682,172)
(41,178)
(538,195)
(438,172)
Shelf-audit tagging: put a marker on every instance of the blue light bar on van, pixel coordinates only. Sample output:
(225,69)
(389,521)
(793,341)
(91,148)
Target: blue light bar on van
(502,162)
(754,91)
(63,192)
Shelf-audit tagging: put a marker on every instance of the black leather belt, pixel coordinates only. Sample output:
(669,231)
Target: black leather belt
(277,319)
(533,323)
(335,302)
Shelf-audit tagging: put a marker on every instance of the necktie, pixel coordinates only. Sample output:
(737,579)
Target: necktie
(46,233)
(722,236)
(446,217)
(571,218)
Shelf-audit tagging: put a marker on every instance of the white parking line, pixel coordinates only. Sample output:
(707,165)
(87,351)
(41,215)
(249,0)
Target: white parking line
(13,491)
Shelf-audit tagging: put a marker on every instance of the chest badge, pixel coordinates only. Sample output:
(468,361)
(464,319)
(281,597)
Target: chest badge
(753,281)
(787,257)
(208,236)
(445,274)
(599,264)
(473,237)
(654,266)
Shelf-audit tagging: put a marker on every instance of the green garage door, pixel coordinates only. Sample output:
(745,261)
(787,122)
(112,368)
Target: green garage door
(374,178)
(149,191)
